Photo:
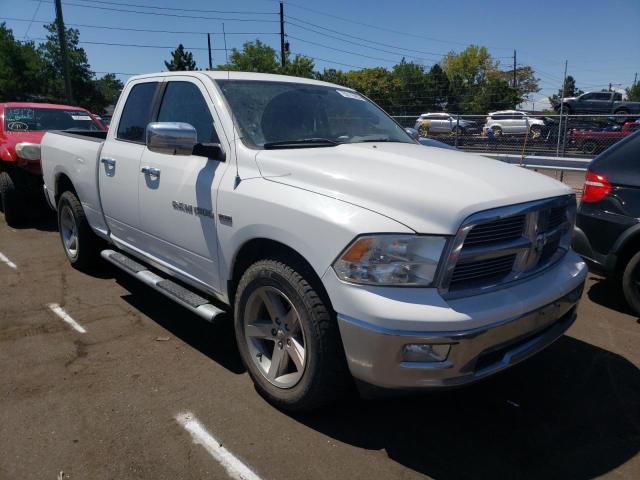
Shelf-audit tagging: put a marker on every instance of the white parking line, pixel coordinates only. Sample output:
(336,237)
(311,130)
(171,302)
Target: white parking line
(234,467)
(7,262)
(59,311)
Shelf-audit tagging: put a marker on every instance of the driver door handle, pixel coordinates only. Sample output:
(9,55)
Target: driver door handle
(109,162)
(151,171)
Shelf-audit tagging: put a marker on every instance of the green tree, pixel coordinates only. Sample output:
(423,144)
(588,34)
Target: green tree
(20,68)
(472,65)
(570,90)
(633,92)
(181,60)
(254,57)
(437,89)
(84,89)
(378,84)
(109,87)
(409,95)
(300,66)
(332,75)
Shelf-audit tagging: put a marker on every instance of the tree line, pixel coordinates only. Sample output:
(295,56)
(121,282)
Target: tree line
(466,82)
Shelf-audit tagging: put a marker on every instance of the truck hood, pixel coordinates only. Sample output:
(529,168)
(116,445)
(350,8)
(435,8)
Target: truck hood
(430,190)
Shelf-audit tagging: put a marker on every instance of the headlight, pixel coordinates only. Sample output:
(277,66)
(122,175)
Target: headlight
(28,151)
(391,260)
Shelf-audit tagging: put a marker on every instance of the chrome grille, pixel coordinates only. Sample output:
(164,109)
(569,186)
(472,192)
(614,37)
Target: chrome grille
(507,244)
(499,230)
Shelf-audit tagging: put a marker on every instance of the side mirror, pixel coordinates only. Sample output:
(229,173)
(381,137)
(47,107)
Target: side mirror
(210,150)
(172,138)
(413,133)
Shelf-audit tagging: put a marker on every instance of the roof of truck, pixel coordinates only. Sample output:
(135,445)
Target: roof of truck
(231,75)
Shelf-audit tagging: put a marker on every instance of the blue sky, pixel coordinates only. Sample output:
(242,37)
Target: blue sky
(601,40)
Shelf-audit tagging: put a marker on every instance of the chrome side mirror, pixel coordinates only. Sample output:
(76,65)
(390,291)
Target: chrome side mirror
(413,133)
(172,138)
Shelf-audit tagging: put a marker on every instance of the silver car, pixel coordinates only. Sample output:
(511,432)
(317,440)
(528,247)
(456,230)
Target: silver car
(443,123)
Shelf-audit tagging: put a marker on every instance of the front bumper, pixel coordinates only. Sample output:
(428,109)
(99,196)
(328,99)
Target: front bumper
(375,352)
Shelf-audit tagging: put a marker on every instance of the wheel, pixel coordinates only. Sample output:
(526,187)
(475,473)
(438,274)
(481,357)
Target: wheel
(457,131)
(10,200)
(78,240)
(622,111)
(288,337)
(535,131)
(566,110)
(631,283)
(497,131)
(590,147)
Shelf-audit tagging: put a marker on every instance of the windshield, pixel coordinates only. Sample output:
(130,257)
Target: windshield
(294,115)
(28,119)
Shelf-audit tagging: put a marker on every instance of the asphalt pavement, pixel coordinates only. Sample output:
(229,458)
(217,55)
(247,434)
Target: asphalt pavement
(102,378)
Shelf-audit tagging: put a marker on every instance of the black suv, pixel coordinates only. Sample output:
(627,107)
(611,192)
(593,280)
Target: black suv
(607,232)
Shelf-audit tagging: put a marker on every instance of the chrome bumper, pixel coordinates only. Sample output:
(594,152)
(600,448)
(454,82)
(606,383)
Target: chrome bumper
(374,354)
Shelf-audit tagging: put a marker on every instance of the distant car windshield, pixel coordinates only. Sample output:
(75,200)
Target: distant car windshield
(294,115)
(29,119)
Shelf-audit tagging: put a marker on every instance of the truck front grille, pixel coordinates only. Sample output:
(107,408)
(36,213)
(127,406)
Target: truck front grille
(503,245)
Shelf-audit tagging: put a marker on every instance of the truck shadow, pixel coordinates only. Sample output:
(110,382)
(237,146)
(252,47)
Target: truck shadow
(215,340)
(571,412)
(608,293)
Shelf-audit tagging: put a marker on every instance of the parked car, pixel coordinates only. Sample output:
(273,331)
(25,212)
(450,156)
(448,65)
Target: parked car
(607,232)
(430,123)
(22,126)
(595,141)
(513,122)
(340,247)
(599,103)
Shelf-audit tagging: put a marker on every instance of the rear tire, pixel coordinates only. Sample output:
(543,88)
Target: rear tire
(590,147)
(313,372)
(10,200)
(80,244)
(497,131)
(631,283)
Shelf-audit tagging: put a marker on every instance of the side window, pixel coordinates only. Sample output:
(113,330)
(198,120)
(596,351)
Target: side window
(183,102)
(603,96)
(137,112)
(588,96)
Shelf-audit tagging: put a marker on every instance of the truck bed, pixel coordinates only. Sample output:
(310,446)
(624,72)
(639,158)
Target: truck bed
(74,155)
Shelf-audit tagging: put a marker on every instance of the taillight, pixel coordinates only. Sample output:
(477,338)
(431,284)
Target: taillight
(596,187)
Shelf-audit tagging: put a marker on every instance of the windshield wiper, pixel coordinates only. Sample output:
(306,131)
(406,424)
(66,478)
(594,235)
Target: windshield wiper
(303,143)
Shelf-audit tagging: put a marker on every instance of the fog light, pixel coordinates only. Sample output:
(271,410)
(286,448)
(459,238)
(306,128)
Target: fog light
(425,353)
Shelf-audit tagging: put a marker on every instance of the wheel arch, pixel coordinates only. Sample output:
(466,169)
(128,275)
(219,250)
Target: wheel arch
(261,248)
(626,246)
(63,184)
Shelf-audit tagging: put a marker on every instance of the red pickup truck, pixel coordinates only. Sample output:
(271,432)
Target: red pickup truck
(22,126)
(594,141)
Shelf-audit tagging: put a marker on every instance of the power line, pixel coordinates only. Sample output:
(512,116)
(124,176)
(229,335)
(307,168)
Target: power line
(137,45)
(200,17)
(144,30)
(154,7)
(33,17)
(378,27)
(359,38)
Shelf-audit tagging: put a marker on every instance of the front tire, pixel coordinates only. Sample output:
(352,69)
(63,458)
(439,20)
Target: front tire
(10,200)
(590,147)
(288,337)
(631,283)
(80,244)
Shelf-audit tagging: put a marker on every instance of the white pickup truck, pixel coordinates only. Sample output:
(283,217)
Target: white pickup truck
(340,247)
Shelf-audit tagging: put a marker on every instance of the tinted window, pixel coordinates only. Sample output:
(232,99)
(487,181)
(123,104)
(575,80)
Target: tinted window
(621,159)
(137,112)
(602,96)
(588,96)
(617,97)
(183,102)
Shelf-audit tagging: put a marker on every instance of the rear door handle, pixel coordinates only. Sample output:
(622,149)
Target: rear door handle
(151,171)
(110,162)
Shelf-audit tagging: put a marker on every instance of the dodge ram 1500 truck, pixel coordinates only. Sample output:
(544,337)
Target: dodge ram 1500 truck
(340,247)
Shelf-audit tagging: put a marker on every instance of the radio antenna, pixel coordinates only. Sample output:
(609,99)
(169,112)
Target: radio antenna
(233,120)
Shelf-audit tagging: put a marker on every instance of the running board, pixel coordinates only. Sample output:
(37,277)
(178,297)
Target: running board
(188,299)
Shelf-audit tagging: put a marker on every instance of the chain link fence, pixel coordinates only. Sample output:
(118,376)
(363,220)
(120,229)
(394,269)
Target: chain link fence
(519,133)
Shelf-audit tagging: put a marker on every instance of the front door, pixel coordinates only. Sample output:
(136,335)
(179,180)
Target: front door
(120,164)
(178,201)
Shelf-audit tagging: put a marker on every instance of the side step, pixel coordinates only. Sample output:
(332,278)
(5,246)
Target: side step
(188,299)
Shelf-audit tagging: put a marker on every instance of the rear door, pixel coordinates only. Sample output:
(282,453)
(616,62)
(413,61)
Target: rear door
(178,206)
(119,167)
(602,102)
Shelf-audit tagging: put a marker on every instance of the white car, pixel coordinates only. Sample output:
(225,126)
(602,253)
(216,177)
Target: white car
(513,122)
(339,246)
(444,123)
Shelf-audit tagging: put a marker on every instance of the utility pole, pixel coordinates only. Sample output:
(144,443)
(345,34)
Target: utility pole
(210,57)
(63,52)
(514,69)
(283,58)
(635,79)
(564,83)
(609,86)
